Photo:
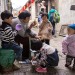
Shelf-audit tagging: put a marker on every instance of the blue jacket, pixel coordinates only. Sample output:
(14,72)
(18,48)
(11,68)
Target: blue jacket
(51,11)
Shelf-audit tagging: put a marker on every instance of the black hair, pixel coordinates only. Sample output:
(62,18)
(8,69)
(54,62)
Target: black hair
(24,14)
(42,9)
(40,12)
(6,14)
(44,14)
(53,7)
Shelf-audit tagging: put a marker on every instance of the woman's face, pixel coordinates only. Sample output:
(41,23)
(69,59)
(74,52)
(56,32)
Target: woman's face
(71,31)
(26,20)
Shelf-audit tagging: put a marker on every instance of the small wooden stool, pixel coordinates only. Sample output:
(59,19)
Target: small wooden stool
(7,57)
(62,31)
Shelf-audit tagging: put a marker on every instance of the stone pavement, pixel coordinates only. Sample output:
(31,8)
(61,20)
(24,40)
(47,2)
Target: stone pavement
(59,70)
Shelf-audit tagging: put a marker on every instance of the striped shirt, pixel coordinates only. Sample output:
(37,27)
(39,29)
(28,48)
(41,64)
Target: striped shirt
(6,32)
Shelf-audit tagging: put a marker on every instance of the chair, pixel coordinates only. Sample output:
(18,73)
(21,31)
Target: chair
(63,30)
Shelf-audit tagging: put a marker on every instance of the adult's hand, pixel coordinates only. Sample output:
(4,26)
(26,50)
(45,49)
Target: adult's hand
(37,37)
(32,24)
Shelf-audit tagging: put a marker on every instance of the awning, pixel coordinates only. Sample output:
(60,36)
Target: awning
(26,5)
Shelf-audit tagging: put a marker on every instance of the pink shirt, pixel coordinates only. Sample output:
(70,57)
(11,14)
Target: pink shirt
(68,45)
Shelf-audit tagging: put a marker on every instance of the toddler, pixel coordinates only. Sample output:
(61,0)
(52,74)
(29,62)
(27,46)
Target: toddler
(68,46)
(47,56)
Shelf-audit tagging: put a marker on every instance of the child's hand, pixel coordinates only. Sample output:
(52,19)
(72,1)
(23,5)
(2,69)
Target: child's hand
(33,24)
(33,58)
(15,33)
(37,37)
(49,30)
(64,53)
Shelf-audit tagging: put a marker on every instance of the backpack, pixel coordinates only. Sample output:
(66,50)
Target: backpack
(54,17)
(51,19)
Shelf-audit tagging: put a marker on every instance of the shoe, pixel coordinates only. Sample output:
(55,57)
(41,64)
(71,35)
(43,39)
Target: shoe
(27,61)
(16,63)
(73,68)
(40,69)
(14,67)
(66,65)
(54,36)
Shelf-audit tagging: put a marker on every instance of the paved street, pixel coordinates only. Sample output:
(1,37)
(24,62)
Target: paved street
(59,70)
(66,10)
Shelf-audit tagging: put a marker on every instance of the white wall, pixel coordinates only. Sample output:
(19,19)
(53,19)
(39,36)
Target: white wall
(3,5)
(67,15)
(33,13)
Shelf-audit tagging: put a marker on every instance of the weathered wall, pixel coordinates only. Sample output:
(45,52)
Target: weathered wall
(33,10)
(67,15)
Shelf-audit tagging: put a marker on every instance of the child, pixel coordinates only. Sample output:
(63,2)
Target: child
(7,35)
(45,29)
(47,56)
(39,17)
(68,46)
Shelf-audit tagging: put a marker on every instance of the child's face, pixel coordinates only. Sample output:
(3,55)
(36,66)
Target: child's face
(9,20)
(71,31)
(44,18)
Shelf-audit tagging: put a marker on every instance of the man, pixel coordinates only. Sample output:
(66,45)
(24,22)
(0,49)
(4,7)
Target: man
(23,34)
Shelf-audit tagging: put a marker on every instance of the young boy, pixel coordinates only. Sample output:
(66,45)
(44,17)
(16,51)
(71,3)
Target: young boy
(7,35)
(45,29)
(39,17)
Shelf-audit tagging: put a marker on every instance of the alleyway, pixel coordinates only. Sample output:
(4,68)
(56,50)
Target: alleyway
(59,70)
(34,7)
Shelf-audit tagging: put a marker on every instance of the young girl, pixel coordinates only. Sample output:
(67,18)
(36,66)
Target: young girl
(45,29)
(47,56)
(68,46)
